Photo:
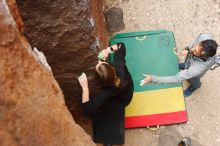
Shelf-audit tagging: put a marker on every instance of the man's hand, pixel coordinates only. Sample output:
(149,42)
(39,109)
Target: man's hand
(184,54)
(83,81)
(147,80)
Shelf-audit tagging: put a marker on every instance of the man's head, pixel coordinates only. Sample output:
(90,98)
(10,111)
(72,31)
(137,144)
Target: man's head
(205,49)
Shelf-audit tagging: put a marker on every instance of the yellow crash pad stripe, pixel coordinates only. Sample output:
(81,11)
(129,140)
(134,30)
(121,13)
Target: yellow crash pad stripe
(156,102)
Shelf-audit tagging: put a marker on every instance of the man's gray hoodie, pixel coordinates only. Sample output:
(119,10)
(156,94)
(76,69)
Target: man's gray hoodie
(197,67)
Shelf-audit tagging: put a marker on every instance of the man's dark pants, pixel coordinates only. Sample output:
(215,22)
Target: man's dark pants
(195,82)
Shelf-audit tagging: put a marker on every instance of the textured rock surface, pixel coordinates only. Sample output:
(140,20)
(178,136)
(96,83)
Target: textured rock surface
(114,19)
(96,9)
(32,108)
(16,14)
(68,36)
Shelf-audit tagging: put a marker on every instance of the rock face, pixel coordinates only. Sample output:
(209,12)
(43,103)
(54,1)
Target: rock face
(32,107)
(114,20)
(70,34)
(96,9)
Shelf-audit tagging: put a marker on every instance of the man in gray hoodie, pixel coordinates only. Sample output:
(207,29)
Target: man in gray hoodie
(199,59)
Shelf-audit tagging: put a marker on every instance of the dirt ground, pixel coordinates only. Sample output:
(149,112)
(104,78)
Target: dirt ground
(186,19)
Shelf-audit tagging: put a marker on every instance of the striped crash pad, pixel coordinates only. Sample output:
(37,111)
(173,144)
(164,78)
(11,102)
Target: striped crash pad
(152,52)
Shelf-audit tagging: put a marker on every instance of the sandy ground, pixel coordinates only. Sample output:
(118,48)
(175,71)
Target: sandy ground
(186,19)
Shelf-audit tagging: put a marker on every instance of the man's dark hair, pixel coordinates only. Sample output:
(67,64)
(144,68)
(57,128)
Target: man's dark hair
(210,48)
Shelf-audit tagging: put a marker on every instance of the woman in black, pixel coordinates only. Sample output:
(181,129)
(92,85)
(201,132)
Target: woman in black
(108,107)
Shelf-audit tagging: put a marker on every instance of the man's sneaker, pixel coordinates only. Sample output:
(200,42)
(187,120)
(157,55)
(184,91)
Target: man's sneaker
(188,91)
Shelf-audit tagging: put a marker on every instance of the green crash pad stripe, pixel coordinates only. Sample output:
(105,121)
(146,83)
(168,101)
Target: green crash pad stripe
(152,55)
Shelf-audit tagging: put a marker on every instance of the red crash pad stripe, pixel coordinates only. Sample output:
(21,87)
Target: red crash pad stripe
(156,119)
